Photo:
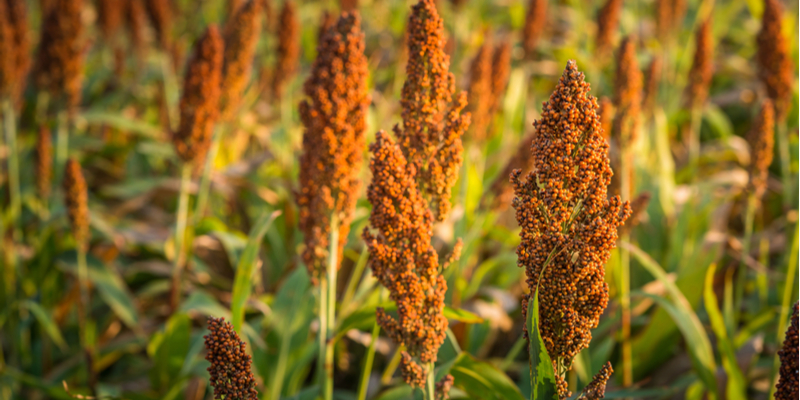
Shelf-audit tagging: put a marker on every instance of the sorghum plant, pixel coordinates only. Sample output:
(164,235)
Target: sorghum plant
(44,163)
(59,63)
(702,67)
(430,136)
(664,21)
(135,21)
(535,22)
(607,22)
(652,79)
(241,37)
(501,68)
(18,19)
(774,62)
(569,225)
(288,51)
(787,387)
(761,140)
(230,364)
(606,114)
(109,17)
(597,388)
(627,103)
(480,91)
(160,13)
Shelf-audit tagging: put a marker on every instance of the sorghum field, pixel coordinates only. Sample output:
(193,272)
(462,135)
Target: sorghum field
(398,199)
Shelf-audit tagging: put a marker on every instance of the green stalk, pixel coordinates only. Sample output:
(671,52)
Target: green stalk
(205,179)
(785,159)
(694,138)
(363,385)
(788,290)
(322,335)
(430,387)
(62,143)
(741,279)
(355,278)
(180,234)
(10,128)
(333,261)
(280,368)
(625,277)
(83,316)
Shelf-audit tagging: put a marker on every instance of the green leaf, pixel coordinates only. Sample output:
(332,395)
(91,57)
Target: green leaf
(46,321)
(736,385)
(461,315)
(117,121)
(482,380)
(172,346)
(244,270)
(543,378)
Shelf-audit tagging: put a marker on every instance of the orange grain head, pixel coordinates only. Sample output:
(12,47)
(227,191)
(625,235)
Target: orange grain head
(702,67)
(774,62)
(241,37)
(288,51)
(59,62)
(761,140)
(160,13)
(18,17)
(44,162)
(652,80)
(596,389)
(627,94)
(76,200)
(480,92)
(230,371)
(607,24)
(535,22)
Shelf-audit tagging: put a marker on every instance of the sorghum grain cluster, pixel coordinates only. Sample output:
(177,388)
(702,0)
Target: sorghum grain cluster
(607,22)
(761,139)
(241,37)
(59,62)
(774,62)
(535,22)
(44,162)
(702,67)
(288,51)
(76,200)
(230,364)
(787,387)
(597,387)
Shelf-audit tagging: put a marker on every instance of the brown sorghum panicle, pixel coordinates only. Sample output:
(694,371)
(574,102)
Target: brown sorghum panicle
(627,94)
(334,117)
(596,389)
(403,259)
(480,91)
(22,59)
(433,124)
(44,162)
(348,5)
(109,17)
(241,36)
(501,69)
(200,98)
(652,80)
(535,22)
(230,371)
(569,224)
(606,113)
(288,51)
(607,21)
(328,20)
(787,387)
(702,68)
(75,197)
(664,21)
(135,23)
(761,139)
(7,68)
(232,6)
(774,62)
(501,188)
(160,12)
(59,63)
(678,12)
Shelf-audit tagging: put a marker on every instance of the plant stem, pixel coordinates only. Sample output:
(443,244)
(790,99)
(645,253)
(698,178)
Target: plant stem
(367,368)
(332,267)
(205,179)
(430,392)
(280,368)
(741,279)
(10,128)
(62,143)
(785,159)
(694,138)
(322,335)
(83,316)
(180,234)
(786,299)
(625,273)
(355,277)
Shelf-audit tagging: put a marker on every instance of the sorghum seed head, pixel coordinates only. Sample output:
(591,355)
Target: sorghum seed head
(501,68)
(241,37)
(702,67)
(596,390)
(480,92)
(334,117)
(501,187)
(607,22)
(403,260)
(443,387)
(535,22)
(44,162)
(606,113)
(200,99)
(348,5)
(761,140)
(230,371)
(664,20)
(774,62)
(7,49)
(787,387)
(160,12)
(232,6)
(678,12)
(75,197)
(430,136)
(135,23)
(18,16)
(652,77)
(288,51)
(627,94)
(59,63)
(569,224)
(109,17)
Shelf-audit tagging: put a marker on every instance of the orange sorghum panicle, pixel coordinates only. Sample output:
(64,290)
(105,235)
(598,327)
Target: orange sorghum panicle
(702,67)
(230,371)
(606,114)
(348,5)
(787,387)
(774,62)
(627,94)
(135,22)
(664,20)
(44,162)
(22,59)
(652,80)
(569,225)
(75,197)
(241,36)
(535,22)
(334,117)
(403,259)
(7,49)
(433,124)
(232,6)
(501,188)
(480,91)
(596,389)
(59,63)
(160,12)
(109,17)
(678,12)
(288,51)
(200,99)
(607,21)
(501,68)
(761,139)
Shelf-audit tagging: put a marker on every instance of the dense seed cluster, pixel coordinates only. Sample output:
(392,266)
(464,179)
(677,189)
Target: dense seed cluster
(652,79)
(160,12)
(230,364)
(761,139)
(774,62)
(200,99)
(535,22)
(21,59)
(288,51)
(59,62)
(334,117)
(606,113)
(607,21)
(7,68)
(787,387)
(433,124)
(403,259)
(596,389)
(75,198)
(569,225)
(627,94)
(44,162)
(523,159)
(702,67)
(480,91)
(241,37)
(501,69)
